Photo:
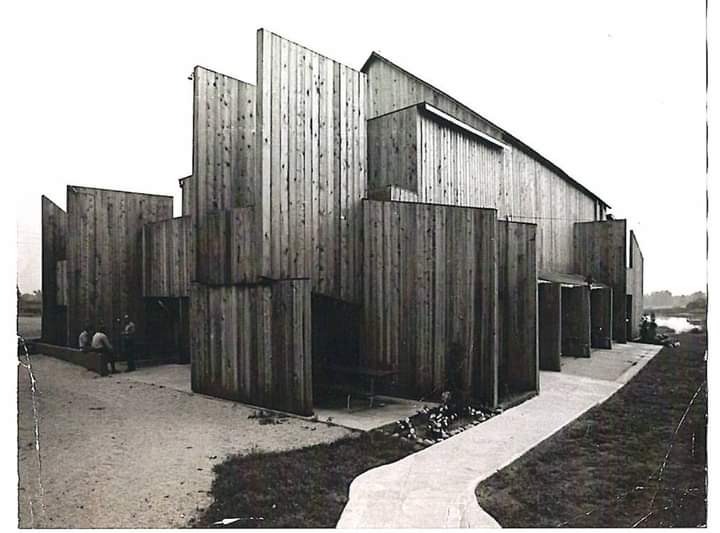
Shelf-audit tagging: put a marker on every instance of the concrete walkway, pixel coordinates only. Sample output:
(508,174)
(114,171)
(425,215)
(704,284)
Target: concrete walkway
(436,487)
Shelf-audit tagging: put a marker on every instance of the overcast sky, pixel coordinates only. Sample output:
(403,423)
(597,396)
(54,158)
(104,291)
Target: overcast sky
(612,92)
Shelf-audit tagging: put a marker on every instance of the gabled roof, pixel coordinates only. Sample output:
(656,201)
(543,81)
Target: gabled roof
(507,137)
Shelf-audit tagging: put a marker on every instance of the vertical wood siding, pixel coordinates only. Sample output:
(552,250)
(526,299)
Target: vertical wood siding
(105,255)
(188,196)
(576,325)
(54,235)
(600,249)
(225,253)
(601,318)
(311,162)
(393,151)
(224,126)
(62,282)
(517,307)
(549,325)
(455,167)
(430,286)
(635,285)
(253,344)
(168,258)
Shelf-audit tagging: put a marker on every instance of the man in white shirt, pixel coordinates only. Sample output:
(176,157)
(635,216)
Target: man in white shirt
(85,338)
(101,344)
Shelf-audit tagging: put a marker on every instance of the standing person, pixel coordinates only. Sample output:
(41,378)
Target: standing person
(101,344)
(85,338)
(127,339)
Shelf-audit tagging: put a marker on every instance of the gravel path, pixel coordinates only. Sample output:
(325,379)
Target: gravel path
(118,453)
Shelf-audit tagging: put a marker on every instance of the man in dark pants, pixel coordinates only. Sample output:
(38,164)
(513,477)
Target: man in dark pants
(128,343)
(101,344)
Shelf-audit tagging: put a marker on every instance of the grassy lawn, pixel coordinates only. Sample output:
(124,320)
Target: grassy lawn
(301,488)
(609,468)
(601,470)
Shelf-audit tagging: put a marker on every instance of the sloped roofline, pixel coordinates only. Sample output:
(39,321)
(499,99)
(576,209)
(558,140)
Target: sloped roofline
(511,139)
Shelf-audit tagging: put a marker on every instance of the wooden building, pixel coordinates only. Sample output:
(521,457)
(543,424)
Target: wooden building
(356,218)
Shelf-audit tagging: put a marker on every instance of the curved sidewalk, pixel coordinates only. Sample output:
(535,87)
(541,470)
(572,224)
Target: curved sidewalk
(436,487)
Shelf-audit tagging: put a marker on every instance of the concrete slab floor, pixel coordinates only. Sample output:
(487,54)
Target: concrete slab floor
(436,487)
(608,365)
(361,416)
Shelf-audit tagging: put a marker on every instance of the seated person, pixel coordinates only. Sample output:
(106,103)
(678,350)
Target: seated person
(101,344)
(85,338)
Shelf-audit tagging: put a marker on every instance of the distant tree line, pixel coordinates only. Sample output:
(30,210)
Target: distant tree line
(660,299)
(29,303)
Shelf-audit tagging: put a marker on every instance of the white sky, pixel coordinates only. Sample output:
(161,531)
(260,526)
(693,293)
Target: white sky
(612,92)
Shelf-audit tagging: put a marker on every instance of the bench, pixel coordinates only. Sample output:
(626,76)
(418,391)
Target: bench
(368,373)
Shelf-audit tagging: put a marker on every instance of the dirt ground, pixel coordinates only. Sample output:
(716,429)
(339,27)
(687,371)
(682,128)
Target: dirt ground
(118,453)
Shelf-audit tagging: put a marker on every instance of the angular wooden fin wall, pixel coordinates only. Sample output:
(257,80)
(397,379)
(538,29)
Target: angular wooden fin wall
(252,343)
(223,175)
(517,308)
(549,325)
(104,250)
(635,286)
(601,318)
(600,249)
(311,166)
(430,289)
(54,236)
(576,323)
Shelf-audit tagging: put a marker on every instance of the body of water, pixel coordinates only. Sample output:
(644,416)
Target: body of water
(678,323)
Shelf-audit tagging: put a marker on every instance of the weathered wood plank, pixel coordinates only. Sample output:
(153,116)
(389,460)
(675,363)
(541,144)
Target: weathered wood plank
(429,276)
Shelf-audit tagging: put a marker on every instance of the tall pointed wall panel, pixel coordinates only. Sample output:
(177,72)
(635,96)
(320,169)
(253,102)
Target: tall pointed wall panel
(517,308)
(600,249)
(430,297)
(104,250)
(252,343)
(311,163)
(54,235)
(223,175)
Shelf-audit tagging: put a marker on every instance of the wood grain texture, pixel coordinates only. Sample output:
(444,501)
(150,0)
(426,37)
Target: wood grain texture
(104,249)
(600,250)
(430,285)
(54,242)
(517,308)
(422,158)
(253,344)
(576,326)
(224,126)
(311,164)
(601,318)
(188,196)
(635,287)
(226,254)
(62,282)
(391,88)
(167,258)
(549,325)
